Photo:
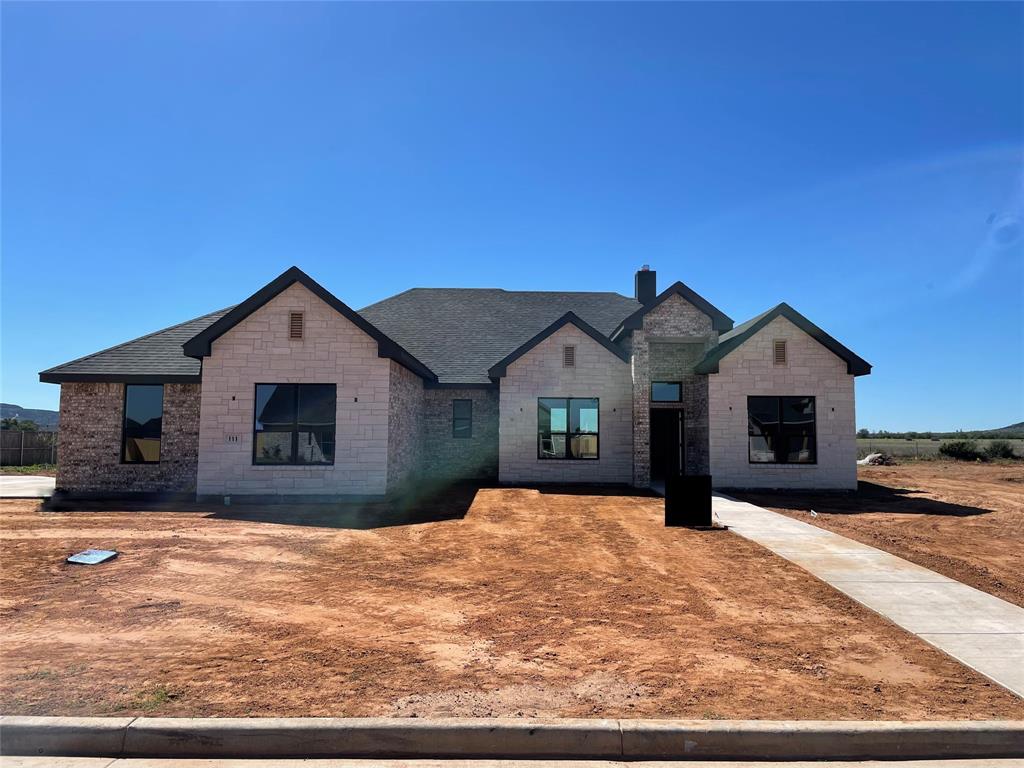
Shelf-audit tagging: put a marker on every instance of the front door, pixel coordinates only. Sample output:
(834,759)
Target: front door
(666,443)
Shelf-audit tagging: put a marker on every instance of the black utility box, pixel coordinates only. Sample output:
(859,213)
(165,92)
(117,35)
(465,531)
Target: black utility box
(688,501)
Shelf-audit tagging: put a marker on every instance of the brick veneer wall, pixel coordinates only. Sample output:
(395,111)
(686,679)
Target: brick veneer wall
(674,337)
(448,458)
(89,441)
(258,350)
(811,370)
(405,426)
(539,373)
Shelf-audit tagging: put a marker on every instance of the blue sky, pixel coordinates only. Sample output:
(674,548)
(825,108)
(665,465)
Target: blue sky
(862,162)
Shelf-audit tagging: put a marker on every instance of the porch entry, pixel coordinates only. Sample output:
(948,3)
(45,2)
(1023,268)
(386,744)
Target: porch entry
(667,447)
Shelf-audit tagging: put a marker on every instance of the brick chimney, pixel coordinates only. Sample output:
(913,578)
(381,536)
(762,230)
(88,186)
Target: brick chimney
(646,284)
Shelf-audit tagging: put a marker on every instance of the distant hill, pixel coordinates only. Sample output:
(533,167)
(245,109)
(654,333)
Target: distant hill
(1013,429)
(46,420)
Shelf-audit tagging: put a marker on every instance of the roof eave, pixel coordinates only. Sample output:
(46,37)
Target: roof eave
(56,377)
(499,369)
(200,345)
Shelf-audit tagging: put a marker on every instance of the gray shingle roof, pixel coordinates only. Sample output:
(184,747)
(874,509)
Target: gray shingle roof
(459,333)
(154,357)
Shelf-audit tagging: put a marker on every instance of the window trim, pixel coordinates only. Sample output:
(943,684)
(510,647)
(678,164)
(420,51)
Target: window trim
(567,433)
(814,433)
(677,400)
(455,418)
(124,423)
(295,423)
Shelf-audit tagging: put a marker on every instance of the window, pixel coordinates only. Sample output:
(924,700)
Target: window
(295,323)
(294,424)
(780,351)
(143,417)
(568,357)
(462,418)
(781,430)
(666,392)
(567,428)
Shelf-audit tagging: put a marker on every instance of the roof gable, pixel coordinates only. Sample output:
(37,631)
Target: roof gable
(199,346)
(719,320)
(728,342)
(499,369)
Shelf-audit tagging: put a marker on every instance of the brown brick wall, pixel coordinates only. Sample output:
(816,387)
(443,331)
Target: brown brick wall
(405,426)
(91,415)
(449,458)
(674,337)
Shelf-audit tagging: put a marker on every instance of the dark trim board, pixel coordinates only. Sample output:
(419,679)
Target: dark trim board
(855,365)
(719,320)
(499,369)
(199,346)
(118,378)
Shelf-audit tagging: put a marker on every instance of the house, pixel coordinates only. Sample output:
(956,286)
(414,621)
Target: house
(292,392)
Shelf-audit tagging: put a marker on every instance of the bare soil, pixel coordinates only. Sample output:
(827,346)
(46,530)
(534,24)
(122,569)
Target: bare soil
(961,519)
(497,602)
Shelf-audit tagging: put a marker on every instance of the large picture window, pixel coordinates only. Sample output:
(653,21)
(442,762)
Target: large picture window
(567,428)
(294,424)
(781,430)
(143,420)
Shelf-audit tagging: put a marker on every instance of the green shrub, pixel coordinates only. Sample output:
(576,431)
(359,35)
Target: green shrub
(1000,449)
(963,450)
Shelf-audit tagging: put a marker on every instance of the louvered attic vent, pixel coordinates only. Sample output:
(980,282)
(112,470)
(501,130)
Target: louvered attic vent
(780,352)
(568,357)
(295,325)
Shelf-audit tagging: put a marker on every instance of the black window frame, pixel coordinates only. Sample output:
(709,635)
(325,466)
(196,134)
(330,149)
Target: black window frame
(568,433)
(456,419)
(295,424)
(674,383)
(780,447)
(124,423)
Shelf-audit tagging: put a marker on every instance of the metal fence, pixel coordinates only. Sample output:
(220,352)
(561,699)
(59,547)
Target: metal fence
(20,449)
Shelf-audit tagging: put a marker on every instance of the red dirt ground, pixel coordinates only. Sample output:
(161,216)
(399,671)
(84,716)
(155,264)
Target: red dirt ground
(521,603)
(963,520)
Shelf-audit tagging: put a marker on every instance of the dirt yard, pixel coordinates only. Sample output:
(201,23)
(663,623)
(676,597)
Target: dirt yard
(963,520)
(500,602)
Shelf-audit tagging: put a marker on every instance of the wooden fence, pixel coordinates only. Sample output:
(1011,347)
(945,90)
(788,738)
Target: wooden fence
(19,449)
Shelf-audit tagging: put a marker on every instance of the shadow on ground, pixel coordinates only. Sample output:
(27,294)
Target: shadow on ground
(869,498)
(424,504)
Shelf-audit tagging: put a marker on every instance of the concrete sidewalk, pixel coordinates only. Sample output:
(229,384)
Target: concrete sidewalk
(977,629)
(26,486)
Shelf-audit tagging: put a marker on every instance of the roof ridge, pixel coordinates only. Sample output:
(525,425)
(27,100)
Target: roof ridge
(138,338)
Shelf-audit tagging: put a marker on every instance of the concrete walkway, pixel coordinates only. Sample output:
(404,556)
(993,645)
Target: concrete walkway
(26,486)
(977,629)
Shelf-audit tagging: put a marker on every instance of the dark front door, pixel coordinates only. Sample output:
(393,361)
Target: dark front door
(666,443)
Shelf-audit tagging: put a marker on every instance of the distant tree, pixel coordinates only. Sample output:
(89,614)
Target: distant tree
(863,434)
(13,424)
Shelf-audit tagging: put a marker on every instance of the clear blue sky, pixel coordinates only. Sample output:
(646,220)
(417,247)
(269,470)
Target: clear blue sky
(862,162)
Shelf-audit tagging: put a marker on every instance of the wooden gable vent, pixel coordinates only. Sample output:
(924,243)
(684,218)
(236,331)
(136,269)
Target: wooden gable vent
(295,320)
(568,357)
(780,351)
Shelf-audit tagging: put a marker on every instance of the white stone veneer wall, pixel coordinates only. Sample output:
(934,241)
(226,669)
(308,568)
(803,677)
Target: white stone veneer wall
(811,369)
(258,350)
(539,373)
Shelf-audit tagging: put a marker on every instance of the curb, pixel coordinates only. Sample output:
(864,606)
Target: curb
(154,737)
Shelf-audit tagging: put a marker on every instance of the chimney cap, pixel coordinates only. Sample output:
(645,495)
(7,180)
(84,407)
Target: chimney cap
(645,268)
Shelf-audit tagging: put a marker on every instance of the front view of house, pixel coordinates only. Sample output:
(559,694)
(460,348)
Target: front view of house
(294,393)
